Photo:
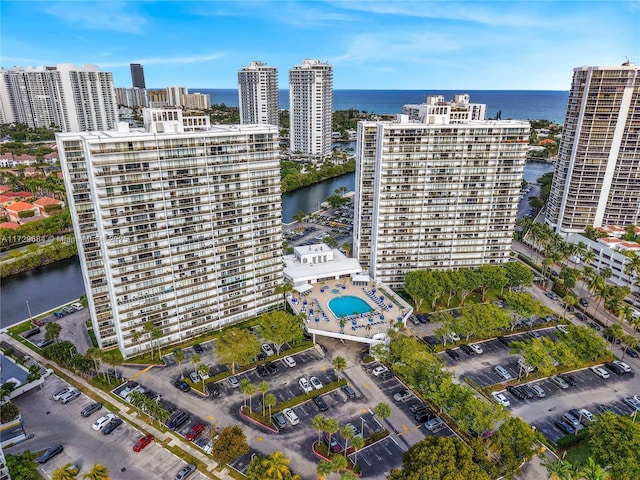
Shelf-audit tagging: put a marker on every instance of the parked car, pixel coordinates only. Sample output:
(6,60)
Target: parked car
(422,416)
(386,375)
(304,385)
(111,426)
(194,432)
(603,407)
(586,416)
(289,361)
(267,350)
(568,417)
(467,349)
(516,392)
(599,371)
(49,454)
(320,403)
(233,382)
(402,395)
(453,354)
(77,306)
(271,367)
(584,302)
(90,409)
(476,348)
(501,399)
(633,402)
(213,389)
(194,377)
(185,471)
(502,372)
(177,419)
(348,391)
(568,379)
(179,384)
(415,320)
(594,325)
(504,340)
(102,421)
(631,352)
(59,314)
(559,381)
(31,333)
(378,370)
(454,337)
(142,442)
(68,309)
(44,343)
(315,381)
(332,444)
(70,396)
(354,429)
(564,426)
(290,415)
(198,348)
(624,366)
(539,391)
(434,424)
(279,421)
(262,370)
(61,393)
(528,391)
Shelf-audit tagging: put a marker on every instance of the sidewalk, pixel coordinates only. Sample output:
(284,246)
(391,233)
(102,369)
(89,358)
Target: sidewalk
(171,440)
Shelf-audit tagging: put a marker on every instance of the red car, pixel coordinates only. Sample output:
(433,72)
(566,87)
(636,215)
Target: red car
(142,442)
(195,431)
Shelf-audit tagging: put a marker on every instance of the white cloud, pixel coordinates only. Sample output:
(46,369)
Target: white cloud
(165,60)
(99,15)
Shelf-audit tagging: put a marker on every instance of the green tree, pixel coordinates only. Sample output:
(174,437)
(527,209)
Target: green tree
(439,458)
(34,373)
(269,401)
(331,426)
(97,472)
(491,277)
(202,371)
(179,356)
(276,467)
(470,283)
(357,443)
(280,327)
(339,364)
(593,471)
(338,463)
(237,346)
(324,469)
(263,388)
(8,412)
(65,472)
(195,360)
(52,331)
(318,423)
(558,469)
(230,444)
(348,434)
(614,441)
(382,411)
(23,466)
(149,328)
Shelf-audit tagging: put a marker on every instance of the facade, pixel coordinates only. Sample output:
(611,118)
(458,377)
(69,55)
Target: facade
(311,107)
(132,97)
(178,227)
(157,98)
(597,174)
(175,96)
(436,195)
(137,76)
(196,101)
(459,110)
(258,94)
(73,99)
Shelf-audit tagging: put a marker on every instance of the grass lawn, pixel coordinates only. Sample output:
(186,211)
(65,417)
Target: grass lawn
(578,454)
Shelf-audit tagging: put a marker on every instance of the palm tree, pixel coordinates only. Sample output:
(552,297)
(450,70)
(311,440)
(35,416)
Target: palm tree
(382,411)
(178,356)
(202,371)
(276,466)
(324,469)
(348,475)
(339,364)
(357,443)
(331,426)
(318,424)
(558,469)
(250,390)
(95,354)
(97,472)
(339,463)
(156,334)
(569,301)
(270,400)
(244,386)
(348,434)
(148,328)
(263,387)
(65,472)
(593,471)
(195,360)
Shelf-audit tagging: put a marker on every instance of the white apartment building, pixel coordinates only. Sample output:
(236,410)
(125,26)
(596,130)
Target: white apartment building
(132,97)
(436,194)
(597,174)
(175,96)
(74,99)
(196,101)
(459,110)
(181,227)
(311,107)
(258,94)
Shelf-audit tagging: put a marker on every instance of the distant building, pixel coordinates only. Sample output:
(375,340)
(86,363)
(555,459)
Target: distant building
(175,96)
(437,192)
(75,99)
(137,76)
(311,107)
(196,101)
(132,97)
(597,174)
(157,98)
(258,94)
(459,110)
(179,225)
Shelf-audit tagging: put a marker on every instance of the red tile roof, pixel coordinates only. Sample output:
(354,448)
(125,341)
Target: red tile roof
(11,225)
(4,188)
(47,201)
(22,194)
(6,198)
(19,206)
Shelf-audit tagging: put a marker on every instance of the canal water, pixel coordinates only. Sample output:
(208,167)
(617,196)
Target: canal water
(61,282)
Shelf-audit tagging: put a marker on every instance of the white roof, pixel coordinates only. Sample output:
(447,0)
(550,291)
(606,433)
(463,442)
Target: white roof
(310,272)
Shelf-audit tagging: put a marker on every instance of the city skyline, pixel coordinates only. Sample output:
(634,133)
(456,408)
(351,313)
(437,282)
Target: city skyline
(372,45)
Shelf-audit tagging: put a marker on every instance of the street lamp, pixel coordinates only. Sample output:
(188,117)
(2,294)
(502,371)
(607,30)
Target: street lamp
(29,309)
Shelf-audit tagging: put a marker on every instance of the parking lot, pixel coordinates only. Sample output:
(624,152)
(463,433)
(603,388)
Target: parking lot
(73,328)
(54,423)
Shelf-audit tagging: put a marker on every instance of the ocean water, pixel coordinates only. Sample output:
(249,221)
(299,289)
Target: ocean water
(514,104)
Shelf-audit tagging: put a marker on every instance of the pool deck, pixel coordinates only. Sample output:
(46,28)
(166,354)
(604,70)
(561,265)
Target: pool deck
(371,327)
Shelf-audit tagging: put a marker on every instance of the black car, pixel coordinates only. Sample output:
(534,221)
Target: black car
(213,389)
(604,408)
(386,375)
(431,341)
(279,421)
(581,316)
(516,392)
(31,333)
(181,385)
(111,426)
(594,325)
(453,354)
(611,339)
(504,341)
(197,348)
(631,352)
(565,427)
(568,378)
(467,349)
(528,391)
(320,403)
(271,367)
(90,409)
(262,370)
(423,318)
(349,392)
(50,453)
(417,406)
(177,419)
(615,368)
(584,302)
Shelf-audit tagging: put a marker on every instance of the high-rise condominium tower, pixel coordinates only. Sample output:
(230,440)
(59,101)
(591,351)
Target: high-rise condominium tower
(73,99)
(179,225)
(258,94)
(310,107)
(597,174)
(437,192)
(137,75)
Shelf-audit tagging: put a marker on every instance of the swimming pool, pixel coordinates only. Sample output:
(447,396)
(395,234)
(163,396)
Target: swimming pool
(348,305)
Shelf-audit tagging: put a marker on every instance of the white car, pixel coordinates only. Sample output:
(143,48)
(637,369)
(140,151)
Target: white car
(315,381)
(77,306)
(289,361)
(501,399)
(208,448)
(267,350)
(622,365)
(633,402)
(102,421)
(586,415)
(304,385)
(291,416)
(378,370)
(599,371)
(454,337)
(58,395)
(562,328)
(476,348)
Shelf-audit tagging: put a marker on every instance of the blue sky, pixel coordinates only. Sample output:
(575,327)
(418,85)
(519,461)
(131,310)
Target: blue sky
(518,45)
